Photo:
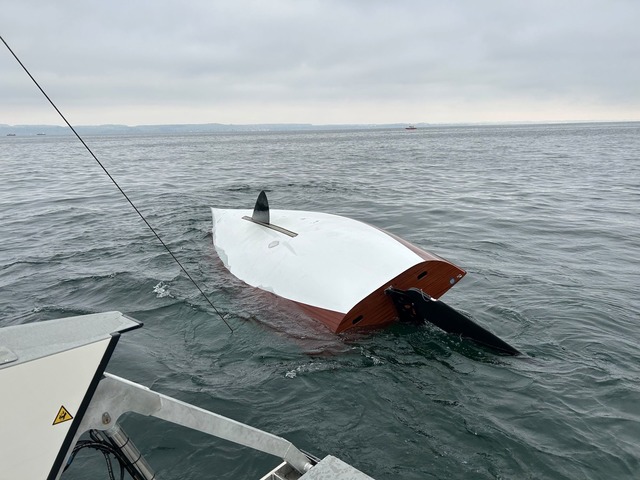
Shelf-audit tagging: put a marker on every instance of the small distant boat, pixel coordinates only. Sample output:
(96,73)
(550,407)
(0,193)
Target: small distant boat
(11,134)
(40,133)
(411,127)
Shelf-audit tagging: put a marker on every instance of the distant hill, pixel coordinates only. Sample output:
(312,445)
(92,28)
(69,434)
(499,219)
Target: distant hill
(31,130)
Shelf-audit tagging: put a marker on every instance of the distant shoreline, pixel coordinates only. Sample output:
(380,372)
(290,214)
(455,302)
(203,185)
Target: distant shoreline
(43,130)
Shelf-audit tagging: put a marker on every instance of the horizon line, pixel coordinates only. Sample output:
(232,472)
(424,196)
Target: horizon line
(308,124)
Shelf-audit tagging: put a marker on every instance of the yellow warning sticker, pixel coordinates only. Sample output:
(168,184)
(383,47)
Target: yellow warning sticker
(62,416)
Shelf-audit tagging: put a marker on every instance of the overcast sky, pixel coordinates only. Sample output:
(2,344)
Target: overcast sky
(323,62)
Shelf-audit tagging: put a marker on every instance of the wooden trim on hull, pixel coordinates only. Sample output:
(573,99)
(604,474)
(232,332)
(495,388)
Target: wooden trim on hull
(417,250)
(329,318)
(433,277)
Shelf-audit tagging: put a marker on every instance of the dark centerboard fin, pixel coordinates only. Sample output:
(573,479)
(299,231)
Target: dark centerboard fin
(261,216)
(261,210)
(413,305)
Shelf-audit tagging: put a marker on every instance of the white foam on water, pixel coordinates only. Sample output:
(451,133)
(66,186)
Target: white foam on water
(161,290)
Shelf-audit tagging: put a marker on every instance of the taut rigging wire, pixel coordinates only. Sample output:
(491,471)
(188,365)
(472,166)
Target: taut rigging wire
(115,183)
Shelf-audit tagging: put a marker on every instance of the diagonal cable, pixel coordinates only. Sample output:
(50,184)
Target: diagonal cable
(115,183)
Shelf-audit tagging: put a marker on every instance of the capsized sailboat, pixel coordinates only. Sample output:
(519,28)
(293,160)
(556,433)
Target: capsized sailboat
(345,273)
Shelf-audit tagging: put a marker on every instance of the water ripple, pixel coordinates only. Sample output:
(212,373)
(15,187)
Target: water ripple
(543,218)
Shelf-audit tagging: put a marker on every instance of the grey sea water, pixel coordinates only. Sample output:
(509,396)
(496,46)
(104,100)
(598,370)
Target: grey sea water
(544,218)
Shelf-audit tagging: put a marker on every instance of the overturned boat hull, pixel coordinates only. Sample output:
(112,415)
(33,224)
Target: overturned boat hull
(345,273)
(335,268)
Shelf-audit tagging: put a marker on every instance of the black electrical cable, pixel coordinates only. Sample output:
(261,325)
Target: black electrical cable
(101,444)
(115,183)
(103,448)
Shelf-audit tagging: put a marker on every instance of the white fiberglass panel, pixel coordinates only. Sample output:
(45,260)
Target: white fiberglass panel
(33,394)
(333,262)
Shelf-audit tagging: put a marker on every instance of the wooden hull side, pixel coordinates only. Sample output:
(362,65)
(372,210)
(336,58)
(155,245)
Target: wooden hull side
(377,309)
(433,277)
(328,318)
(417,250)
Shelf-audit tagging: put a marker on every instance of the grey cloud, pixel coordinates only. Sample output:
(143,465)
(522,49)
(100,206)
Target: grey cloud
(203,54)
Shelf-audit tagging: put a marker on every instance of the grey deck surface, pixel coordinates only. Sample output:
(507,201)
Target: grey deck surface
(332,468)
(22,343)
